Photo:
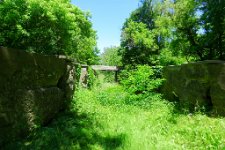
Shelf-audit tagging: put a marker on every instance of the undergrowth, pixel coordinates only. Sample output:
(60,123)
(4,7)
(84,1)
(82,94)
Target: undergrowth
(108,117)
(152,123)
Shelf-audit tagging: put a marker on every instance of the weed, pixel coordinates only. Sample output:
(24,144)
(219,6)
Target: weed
(106,117)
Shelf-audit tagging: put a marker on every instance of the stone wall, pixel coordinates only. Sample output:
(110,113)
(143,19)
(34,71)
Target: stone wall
(33,88)
(83,81)
(197,84)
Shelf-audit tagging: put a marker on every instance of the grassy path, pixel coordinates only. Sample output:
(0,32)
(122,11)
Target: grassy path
(157,126)
(106,118)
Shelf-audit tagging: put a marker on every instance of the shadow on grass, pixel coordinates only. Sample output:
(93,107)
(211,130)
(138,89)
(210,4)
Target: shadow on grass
(70,130)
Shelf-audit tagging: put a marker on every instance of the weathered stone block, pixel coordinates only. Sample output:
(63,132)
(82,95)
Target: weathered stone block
(200,84)
(33,88)
(217,93)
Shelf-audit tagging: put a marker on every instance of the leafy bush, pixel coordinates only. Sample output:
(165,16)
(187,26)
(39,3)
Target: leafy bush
(91,77)
(77,74)
(53,27)
(141,80)
(168,58)
(108,76)
(111,56)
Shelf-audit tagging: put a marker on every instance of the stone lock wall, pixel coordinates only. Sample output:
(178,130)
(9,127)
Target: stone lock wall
(197,84)
(33,88)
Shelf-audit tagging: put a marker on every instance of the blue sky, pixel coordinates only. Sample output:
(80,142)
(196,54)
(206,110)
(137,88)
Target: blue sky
(108,17)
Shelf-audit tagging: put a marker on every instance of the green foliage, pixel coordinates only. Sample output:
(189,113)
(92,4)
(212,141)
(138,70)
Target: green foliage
(103,118)
(179,31)
(109,76)
(50,27)
(147,34)
(167,58)
(160,126)
(196,28)
(91,77)
(111,57)
(77,75)
(138,45)
(213,22)
(186,24)
(141,80)
(145,14)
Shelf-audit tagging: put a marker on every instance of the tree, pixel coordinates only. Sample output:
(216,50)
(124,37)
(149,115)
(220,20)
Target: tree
(198,28)
(48,27)
(213,24)
(111,57)
(140,44)
(194,29)
(186,27)
(145,14)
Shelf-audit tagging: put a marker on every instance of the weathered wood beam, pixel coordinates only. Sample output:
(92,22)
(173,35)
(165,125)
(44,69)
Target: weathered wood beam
(105,68)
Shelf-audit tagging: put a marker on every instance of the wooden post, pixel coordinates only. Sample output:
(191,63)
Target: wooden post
(116,76)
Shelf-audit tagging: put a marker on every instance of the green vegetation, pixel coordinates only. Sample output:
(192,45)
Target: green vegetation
(138,40)
(141,80)
(104,119)
(111,56)
(131,115)
(171,32)
(110,117)
(49,27)
(156,124)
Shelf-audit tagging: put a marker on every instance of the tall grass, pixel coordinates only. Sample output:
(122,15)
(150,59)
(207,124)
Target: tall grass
(107,117)
(156,124)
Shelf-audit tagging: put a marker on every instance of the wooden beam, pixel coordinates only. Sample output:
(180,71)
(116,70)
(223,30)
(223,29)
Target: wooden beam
(105,68)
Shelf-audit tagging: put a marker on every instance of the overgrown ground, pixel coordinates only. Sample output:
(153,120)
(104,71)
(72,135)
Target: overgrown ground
(107,117)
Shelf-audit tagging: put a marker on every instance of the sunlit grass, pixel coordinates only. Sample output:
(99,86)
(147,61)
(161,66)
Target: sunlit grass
(107,117)
(158,127)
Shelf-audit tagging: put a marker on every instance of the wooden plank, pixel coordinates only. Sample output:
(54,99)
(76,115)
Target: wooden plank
(105,68)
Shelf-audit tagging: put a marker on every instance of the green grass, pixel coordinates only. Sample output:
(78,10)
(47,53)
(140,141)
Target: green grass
(107,117)
(156,124)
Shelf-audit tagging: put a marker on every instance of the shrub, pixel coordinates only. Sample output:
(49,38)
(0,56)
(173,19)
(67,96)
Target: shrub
(141,80)
(53,27)
(91,77)
(77,74)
